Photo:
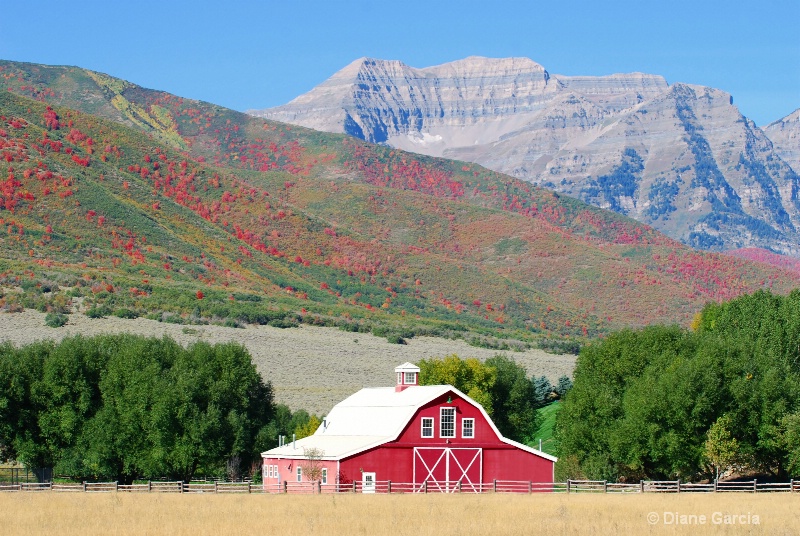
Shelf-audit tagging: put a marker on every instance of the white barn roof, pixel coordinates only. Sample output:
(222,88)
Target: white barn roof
(374,416)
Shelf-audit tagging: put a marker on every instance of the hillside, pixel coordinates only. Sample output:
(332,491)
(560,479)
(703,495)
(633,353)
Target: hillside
(310,367)
(189,212)
(678,157)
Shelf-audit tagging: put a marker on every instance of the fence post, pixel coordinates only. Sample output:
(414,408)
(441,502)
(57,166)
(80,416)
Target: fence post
(249,490)
(215,487)
(715,484)
(605,486)
(354,486)
(530,487)
(679,485)
(425,486)
(389,486)
(180,486)
(116,486)
(494,486)
(641,486)
(791,485)
(755,486)
(84,485)
(286,486)
(568,485)
(319,487)
(149,486)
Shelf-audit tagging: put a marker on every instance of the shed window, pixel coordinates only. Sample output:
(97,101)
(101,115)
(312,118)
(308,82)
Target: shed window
(270,471)
(447,425)
(468,428)
(427,427)
(324,475)
(299,474)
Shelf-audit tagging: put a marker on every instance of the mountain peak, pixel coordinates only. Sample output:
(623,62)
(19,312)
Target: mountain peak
(483,65)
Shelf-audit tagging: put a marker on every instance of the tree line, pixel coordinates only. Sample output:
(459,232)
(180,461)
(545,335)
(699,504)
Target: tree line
(127,407)
(665,402)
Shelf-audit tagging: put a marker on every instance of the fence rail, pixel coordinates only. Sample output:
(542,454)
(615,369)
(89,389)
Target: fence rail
(387,486)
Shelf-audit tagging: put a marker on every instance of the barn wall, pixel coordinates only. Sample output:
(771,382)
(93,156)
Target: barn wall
(484,434)
(395,464)
(290,474)
(515,464)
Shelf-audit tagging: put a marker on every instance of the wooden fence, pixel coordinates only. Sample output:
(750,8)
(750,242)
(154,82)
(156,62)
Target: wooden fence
(387,486)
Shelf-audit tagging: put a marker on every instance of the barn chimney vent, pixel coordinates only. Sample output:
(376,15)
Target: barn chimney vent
(407,376)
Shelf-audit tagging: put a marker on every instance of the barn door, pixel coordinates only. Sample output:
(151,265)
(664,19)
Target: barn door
(444,468)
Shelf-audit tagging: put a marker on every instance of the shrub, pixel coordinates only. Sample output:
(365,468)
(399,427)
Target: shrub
(55,320)
(394,338)
(98,311)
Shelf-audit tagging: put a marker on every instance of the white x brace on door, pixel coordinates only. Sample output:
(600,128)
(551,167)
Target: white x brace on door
(444,468)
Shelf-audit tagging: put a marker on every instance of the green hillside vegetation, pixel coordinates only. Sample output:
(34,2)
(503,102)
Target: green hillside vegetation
(188,212)
(545,431)
(666,402)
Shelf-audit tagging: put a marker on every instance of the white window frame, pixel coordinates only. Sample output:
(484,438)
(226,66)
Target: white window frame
(299,473)
(432,424)
(324,475)
(271,474)
(399,378)
(451,411)
(464,428)
(409,378)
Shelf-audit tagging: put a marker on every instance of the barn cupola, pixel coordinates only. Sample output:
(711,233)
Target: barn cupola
(407,376)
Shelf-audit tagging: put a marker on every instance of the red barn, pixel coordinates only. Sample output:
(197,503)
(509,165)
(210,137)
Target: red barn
(433,436)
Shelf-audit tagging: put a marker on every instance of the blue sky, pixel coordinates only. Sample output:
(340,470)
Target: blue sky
(257,54)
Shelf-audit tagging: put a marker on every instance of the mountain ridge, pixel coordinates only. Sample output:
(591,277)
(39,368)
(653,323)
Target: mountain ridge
(571,134)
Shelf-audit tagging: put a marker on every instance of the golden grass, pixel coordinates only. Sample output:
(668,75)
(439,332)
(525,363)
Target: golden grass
(419,515)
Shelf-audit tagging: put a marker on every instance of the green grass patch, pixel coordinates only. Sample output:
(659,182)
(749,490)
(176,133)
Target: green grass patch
(545,431)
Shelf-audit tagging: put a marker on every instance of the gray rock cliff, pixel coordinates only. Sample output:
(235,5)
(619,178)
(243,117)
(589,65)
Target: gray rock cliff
(679,157)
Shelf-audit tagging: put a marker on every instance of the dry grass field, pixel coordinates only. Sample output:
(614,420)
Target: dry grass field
(496,515)
(310,367)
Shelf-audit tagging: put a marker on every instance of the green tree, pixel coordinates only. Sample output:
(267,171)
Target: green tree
(124,407)
(308,428)
(721,448)
(469,376)
(790,432)
(514,400)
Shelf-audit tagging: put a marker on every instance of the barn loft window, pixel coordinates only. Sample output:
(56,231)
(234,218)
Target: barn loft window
(427,427)
(468,428)
(447,425)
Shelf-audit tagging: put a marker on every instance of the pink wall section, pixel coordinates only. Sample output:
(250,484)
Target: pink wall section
(287,471)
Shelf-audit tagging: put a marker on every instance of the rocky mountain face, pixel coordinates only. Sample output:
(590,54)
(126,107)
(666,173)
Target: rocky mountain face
(679,157)
(785,136)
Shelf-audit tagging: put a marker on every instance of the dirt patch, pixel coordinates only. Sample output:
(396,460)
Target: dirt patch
(309,367)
